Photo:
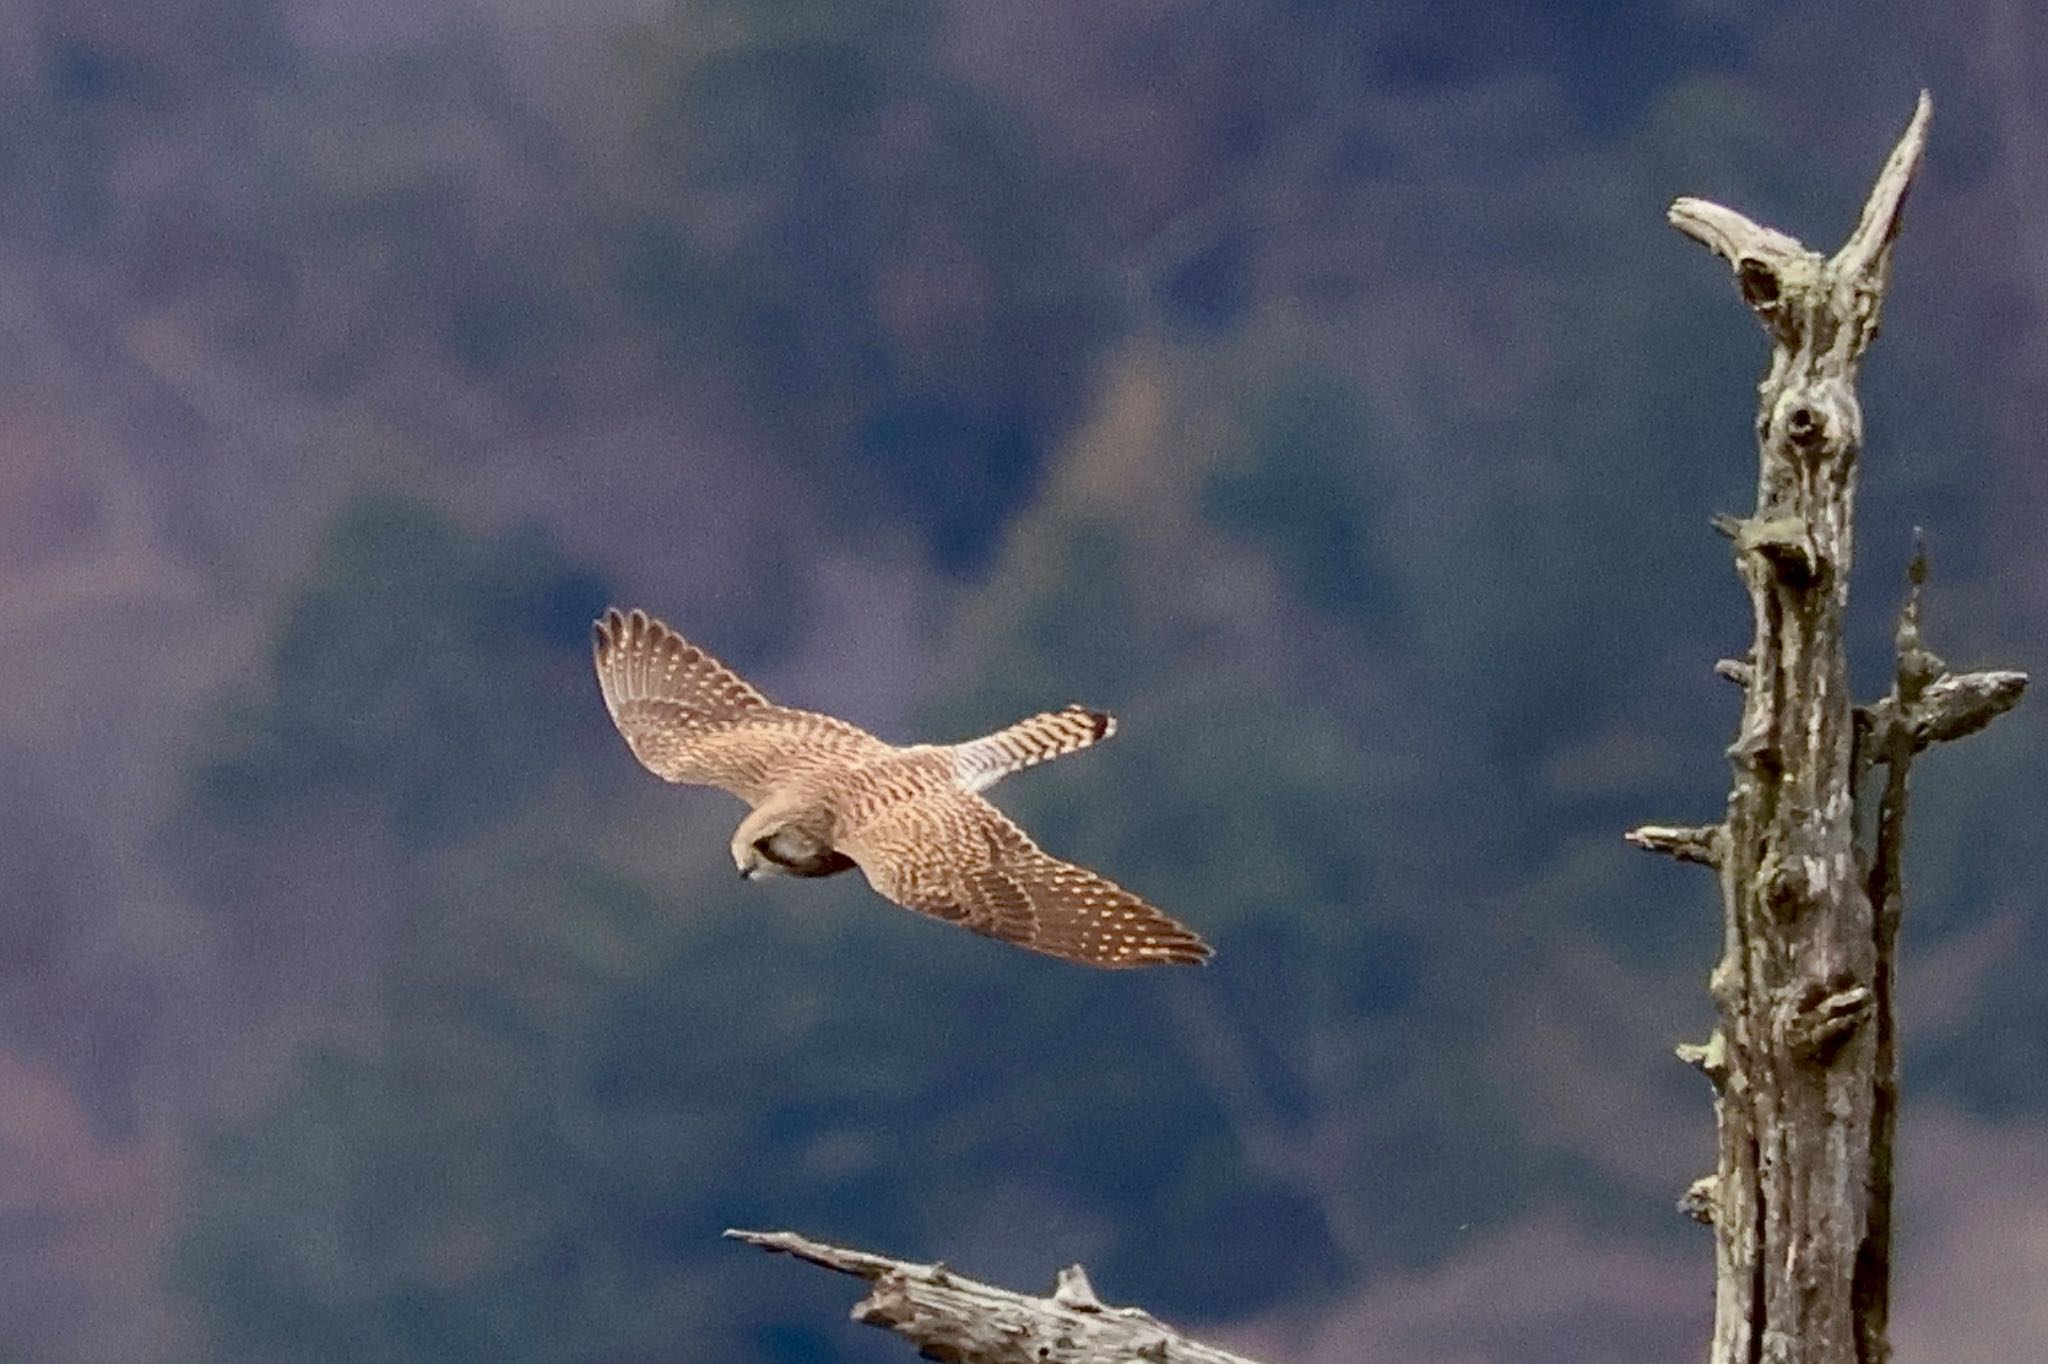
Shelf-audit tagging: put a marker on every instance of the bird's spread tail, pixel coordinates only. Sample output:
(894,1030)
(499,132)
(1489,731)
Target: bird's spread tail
(983,762)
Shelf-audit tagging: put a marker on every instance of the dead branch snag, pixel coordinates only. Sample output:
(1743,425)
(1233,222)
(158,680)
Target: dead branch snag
(1805,1063)
(959,1320)
(1701,844)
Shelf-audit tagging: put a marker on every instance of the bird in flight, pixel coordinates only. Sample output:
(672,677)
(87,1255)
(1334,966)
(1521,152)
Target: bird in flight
(827,796)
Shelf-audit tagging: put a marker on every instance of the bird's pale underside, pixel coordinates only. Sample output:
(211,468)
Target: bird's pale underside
(828,796)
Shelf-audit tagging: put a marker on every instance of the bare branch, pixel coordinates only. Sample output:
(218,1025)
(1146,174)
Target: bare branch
(1952,706)
(859,1263)
(1737,670)
(960,1320)
(1730,235)
(1927,705)
(1866,256)
(1709,1058)
(1697,1202)
(1700,844)
(1959,704)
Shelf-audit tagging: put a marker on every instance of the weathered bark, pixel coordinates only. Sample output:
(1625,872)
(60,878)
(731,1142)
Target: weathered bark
(962,1321)
(1805,1061)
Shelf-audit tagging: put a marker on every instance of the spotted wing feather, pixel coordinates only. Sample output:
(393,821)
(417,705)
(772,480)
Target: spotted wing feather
(689,718)
(951,854)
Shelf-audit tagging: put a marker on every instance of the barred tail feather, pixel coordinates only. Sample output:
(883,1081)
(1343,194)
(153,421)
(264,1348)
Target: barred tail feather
(1053,734)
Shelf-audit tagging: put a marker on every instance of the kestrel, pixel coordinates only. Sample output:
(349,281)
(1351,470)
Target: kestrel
(828,796)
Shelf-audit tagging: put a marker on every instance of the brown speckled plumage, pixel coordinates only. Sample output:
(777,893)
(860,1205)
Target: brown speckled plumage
(824,791)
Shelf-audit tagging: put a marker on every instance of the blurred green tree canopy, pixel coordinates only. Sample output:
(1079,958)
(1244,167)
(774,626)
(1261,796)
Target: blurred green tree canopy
(1401,591)
(897,278)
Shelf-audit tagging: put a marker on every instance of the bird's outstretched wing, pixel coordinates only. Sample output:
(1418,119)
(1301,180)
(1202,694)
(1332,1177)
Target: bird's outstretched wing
(689,718)
(951,854)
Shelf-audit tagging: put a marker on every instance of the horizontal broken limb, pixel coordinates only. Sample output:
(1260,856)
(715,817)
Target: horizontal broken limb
(1952,706)
(963,1321)
(1697,1202)
(1687,843)
(1768,264)
(1740,671)
(1710,1057)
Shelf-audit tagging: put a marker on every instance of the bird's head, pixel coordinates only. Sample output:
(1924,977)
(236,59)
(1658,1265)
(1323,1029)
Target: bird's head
(784,842)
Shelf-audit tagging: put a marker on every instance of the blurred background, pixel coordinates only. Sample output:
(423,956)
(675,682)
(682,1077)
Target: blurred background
(1314,385)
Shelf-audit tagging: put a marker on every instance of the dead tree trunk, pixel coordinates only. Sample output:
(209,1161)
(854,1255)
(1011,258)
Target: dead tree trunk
(1805,1060)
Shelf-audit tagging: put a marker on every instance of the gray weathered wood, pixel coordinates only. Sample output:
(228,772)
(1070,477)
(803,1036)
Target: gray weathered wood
(1805,1062)
(950,1317)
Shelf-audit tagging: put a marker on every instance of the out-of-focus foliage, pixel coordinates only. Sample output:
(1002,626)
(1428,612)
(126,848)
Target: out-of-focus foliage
(403,208)
(416,678)
(1311,385)
(897,278)
(1301,492)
